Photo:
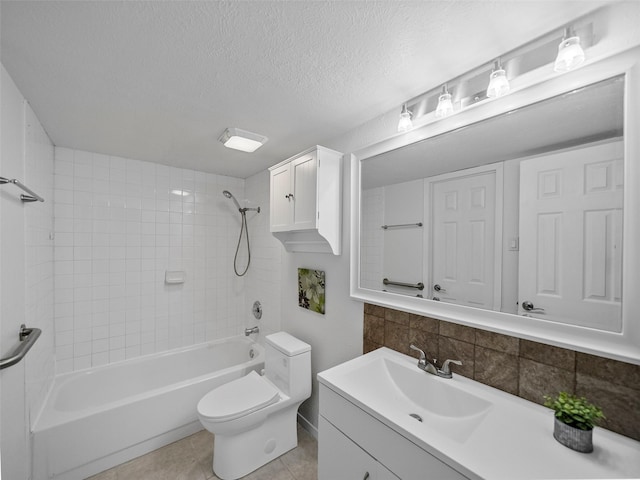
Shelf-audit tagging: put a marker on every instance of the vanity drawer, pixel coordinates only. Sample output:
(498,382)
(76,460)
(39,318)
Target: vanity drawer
(401,456)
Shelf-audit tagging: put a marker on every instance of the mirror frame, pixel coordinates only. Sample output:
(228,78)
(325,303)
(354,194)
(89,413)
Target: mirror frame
(540,85)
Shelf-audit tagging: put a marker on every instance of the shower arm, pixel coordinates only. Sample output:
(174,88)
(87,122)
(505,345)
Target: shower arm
(242,210)
(252,209)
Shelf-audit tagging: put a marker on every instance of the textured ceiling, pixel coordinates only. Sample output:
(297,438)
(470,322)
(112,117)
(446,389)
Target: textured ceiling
(161,80)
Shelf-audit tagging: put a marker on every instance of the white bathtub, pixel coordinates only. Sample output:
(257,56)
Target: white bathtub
(97,418)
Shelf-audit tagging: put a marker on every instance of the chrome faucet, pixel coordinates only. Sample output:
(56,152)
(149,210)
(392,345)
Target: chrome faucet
(249,331)
(432,368)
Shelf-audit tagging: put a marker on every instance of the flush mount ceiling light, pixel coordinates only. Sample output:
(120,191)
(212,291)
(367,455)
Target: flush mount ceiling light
(498,83)
(570,53)
(242,140)
(405,124)
(445,106)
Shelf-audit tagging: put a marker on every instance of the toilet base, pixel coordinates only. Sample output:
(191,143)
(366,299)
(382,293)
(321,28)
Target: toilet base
(235,456)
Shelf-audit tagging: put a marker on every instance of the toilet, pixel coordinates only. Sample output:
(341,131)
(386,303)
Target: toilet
(254,417)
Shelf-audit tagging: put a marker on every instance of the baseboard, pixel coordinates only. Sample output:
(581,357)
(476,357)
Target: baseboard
(308,426)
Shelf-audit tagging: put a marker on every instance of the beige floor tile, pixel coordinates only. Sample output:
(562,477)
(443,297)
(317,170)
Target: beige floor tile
(176,461)
(302,461)
(110,474)
(191,459)
(275,470)
(202,445)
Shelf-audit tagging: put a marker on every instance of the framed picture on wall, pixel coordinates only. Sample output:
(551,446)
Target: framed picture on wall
(311,293)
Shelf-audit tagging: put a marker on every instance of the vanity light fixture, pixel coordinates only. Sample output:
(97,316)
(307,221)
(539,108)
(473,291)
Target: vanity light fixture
(570,53)
(242,140)
(445,106)
(498,83)
(405,124)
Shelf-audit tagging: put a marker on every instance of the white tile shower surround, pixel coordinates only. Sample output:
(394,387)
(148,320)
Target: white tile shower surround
(38,258)
(191,458)
(372,253)
(263,282)
(119,225)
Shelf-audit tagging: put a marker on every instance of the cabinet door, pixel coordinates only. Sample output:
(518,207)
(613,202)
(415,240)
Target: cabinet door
(281,199)
(304,175)
(340,458)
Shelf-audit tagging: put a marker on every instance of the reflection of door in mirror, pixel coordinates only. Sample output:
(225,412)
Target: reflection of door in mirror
(464,226)
(571,236)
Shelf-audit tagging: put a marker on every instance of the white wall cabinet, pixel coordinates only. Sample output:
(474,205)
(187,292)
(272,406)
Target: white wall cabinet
(352,443)
(306,201)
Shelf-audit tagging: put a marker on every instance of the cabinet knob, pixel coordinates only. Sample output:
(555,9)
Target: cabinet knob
(366,476)
(289,196)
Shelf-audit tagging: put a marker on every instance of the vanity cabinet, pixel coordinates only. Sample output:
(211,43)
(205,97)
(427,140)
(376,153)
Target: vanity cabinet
(352,443)
(342,458)
(305,201)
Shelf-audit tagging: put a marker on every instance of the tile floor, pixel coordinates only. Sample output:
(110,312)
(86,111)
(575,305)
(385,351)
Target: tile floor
(191,457)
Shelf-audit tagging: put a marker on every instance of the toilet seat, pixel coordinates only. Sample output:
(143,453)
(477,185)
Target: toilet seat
(238,398)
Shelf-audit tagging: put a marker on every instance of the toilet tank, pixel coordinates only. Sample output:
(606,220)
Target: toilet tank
(287,364)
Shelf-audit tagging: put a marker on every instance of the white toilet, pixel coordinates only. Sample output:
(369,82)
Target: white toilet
(253,418)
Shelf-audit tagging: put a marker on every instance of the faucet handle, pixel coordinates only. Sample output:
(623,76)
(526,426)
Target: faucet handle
(445,366)
(423,356)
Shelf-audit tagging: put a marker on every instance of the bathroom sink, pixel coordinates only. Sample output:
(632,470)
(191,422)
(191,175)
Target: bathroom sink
(437,395)
(398,390)
(407,385)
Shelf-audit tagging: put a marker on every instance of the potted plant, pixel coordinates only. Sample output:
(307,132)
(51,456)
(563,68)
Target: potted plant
(575,418)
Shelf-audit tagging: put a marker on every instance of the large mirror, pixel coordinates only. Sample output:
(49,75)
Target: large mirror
(512,220)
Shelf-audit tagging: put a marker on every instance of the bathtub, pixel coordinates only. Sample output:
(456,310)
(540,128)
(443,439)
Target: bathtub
(98,418)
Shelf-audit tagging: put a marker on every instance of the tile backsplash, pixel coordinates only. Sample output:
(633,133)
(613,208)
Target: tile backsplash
(521,367)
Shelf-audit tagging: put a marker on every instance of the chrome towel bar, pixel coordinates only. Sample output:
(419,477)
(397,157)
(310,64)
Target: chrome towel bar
(32,197)
(28,337)
(419,285)
(400,225)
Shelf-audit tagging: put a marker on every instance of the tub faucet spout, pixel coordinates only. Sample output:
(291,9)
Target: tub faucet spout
(249,331)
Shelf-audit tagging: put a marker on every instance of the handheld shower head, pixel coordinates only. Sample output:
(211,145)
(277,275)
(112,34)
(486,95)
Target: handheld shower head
(228,194)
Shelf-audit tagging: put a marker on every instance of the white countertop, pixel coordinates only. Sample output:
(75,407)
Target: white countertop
(513,439)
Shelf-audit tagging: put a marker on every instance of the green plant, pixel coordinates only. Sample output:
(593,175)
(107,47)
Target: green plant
(574,411)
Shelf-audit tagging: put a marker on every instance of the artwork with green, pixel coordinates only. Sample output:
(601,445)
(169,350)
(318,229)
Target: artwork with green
(311,289)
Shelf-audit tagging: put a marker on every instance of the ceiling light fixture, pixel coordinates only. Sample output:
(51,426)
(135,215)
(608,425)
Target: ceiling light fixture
(498,83)
(445,106)
(242,140)
(570,53)
(405,124)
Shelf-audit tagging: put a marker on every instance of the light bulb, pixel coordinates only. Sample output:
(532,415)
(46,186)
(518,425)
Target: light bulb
(445,105)
(405,124)
(570,53)
(498,82)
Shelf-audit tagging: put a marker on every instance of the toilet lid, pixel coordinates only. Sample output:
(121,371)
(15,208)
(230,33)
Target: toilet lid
(237,398)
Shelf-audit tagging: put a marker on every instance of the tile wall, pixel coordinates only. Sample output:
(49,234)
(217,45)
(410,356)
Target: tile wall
(38,262)
(372,238)
(120,224)
(263,281)
(520,367)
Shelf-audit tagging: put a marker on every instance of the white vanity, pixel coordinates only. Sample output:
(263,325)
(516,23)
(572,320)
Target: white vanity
(381,417)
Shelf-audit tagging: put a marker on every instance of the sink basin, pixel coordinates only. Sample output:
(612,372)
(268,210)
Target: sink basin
(402,392)
(430,392)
